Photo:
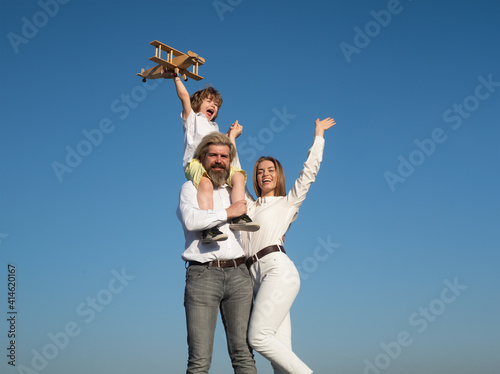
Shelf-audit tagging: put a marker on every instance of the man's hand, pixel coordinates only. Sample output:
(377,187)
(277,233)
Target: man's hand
(234,131)
(236,209)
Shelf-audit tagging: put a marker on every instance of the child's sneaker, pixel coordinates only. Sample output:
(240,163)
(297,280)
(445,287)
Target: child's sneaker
(243,223)
(213,235)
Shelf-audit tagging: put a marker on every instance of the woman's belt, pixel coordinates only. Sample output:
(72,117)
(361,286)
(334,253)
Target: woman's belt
(263,252)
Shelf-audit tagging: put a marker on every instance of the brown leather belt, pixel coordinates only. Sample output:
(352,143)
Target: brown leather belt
(263,252)
(221,263)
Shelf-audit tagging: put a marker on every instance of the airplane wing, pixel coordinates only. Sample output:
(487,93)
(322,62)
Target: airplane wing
(192,75)
(165,47)
(170,66)
(163,62)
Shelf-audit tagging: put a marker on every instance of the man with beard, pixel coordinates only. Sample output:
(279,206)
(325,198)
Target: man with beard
(216,277)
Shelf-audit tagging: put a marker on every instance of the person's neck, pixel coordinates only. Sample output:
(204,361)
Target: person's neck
(269,194)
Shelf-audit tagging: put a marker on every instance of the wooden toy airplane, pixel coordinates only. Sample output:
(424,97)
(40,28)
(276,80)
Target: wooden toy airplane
(179,64)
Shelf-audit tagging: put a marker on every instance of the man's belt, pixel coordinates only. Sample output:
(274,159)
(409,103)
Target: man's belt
(263,252)
(220,263)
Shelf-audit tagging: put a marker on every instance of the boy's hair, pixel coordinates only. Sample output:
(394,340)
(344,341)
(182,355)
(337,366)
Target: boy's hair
(206,93)
(280,189)
(214,138)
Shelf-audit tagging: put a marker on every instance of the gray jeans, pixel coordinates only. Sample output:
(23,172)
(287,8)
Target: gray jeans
(209,289)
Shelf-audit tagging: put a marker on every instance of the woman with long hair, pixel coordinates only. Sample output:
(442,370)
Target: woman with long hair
(276,280)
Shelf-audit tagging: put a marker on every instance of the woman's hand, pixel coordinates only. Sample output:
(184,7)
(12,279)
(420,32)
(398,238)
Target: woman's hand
(323,125)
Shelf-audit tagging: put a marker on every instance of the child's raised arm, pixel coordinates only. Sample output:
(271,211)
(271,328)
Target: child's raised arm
(181,92)
(234,131)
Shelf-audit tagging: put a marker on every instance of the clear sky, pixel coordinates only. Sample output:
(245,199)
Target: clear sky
(397,242)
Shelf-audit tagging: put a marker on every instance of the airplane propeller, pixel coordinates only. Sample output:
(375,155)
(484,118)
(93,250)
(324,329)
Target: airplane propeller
(196,57)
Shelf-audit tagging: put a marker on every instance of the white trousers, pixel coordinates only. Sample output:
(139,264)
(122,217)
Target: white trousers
(276,284)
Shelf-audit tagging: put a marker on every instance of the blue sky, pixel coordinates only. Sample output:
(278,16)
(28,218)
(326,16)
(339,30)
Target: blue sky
(397,242)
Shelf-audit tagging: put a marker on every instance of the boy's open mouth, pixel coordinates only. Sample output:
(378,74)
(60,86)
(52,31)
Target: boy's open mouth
(211,112)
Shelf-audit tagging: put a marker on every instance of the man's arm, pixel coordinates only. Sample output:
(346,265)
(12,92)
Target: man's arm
(236,209)
(191,216)
(195,219)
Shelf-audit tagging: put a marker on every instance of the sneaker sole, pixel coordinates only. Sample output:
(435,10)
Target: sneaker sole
(215,239)
(244,227)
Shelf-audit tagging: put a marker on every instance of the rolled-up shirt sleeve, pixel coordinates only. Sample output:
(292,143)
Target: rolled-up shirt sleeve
(191,216)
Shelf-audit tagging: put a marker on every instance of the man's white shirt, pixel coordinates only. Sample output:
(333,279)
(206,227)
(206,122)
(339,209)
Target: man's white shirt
(194,221)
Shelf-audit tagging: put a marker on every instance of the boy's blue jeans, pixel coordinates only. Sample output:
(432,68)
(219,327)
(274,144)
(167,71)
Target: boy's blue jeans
(209,289)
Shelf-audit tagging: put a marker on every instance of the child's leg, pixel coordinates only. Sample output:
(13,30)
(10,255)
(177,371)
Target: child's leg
(238,183)
(205,199)
(243,222)
(205,194)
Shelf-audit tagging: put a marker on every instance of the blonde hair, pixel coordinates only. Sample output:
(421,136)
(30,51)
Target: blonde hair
(280,189)
(214,138)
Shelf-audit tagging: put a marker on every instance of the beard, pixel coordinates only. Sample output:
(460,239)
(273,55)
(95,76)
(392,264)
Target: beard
(218,177)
